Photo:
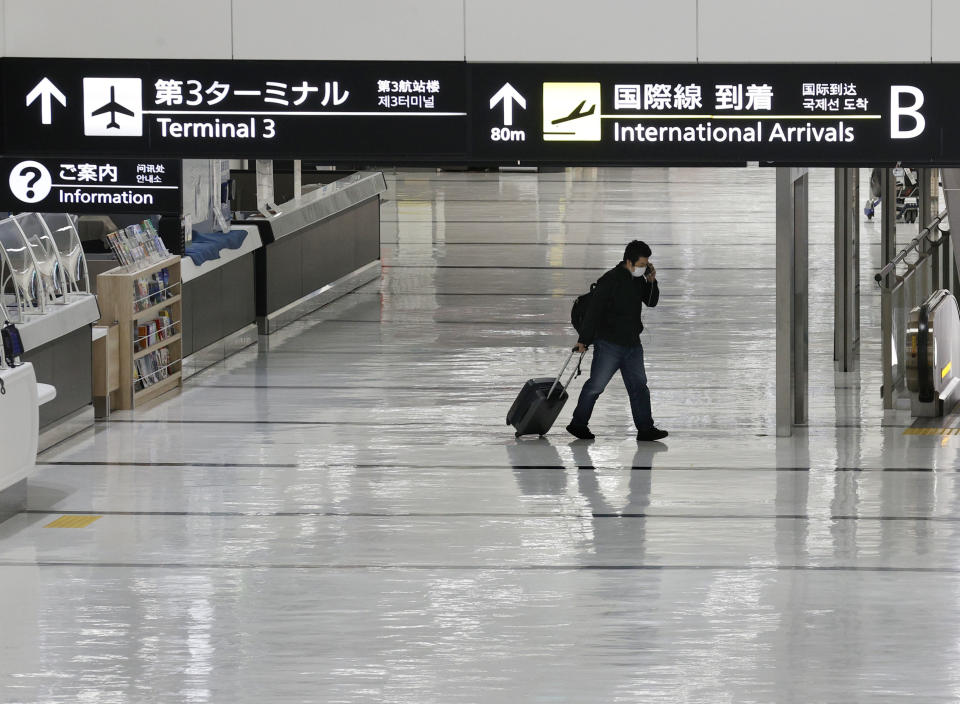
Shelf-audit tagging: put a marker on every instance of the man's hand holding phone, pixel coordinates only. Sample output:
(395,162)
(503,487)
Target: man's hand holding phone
(651,274)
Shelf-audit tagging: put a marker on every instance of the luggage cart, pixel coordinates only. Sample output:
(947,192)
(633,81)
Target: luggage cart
(907,195)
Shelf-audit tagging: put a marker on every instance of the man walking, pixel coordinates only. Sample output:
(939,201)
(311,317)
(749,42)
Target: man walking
(613,326)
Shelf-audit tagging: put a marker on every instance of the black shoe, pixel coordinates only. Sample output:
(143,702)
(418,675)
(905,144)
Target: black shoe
(580,431)
(651,435)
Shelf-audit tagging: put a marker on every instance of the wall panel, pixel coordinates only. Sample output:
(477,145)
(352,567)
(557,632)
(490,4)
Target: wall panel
(946,22)
(564,30)
(195,29)
(356,29)
(486,30)
(814,30)
(3,24)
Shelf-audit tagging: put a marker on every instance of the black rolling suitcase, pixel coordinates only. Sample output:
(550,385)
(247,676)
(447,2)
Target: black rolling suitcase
(540,402)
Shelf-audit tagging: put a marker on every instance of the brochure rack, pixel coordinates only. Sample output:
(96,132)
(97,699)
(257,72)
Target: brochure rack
(146,305)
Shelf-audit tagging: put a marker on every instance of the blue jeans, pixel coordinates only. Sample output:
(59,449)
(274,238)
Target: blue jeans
(607,359)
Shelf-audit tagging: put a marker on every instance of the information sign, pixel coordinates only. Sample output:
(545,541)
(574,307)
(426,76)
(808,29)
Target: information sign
(71,185)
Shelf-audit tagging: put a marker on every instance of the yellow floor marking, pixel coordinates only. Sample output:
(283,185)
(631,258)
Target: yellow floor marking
(72,521)
(931,431)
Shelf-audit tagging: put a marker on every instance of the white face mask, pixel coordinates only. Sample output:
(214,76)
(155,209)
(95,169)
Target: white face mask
(639,271)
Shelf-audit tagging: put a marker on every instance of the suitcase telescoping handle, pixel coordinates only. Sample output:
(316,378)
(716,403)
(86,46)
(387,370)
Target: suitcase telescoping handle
(566,364)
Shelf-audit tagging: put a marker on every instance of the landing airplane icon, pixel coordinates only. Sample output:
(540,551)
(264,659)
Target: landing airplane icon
(113,107)
(575,114)
(582,124)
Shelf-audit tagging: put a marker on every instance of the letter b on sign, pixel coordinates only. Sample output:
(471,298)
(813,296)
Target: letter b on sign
(908,113)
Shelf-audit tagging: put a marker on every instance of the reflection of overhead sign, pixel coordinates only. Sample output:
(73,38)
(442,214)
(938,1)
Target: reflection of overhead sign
(91,185)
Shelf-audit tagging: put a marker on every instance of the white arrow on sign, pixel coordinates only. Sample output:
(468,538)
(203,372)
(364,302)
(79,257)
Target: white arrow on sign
(47,92)
(508,94)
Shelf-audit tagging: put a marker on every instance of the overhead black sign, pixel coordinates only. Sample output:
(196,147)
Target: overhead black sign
(443,112)
(332,110)
(675,113)
(90,185)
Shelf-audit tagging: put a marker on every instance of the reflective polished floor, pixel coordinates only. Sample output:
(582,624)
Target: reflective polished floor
(344,517)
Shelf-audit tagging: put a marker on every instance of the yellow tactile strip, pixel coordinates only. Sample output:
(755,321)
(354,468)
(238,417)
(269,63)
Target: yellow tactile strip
(931,431)
(75,521)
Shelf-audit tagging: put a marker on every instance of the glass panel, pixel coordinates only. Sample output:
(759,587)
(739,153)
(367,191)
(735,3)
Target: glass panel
(20,285)
(44,253)
(63,229)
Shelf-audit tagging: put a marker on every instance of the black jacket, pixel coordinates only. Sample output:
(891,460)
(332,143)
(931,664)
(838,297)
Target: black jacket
(615,308)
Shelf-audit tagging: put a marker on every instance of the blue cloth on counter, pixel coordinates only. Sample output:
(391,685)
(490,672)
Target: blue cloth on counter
(207,245)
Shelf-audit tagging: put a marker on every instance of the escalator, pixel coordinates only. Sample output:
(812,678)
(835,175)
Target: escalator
(932,366)
(933,356)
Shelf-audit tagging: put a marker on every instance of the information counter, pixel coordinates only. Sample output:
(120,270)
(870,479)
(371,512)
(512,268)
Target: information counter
(20,397)
(317,247)
(59,345)
(219,295)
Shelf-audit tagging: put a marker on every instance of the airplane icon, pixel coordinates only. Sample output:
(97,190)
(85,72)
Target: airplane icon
(113,107)
(575,114)
(583,123)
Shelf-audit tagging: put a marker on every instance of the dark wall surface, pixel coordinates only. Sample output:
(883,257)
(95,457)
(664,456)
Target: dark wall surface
(67,364)
(317,255)
(218,303)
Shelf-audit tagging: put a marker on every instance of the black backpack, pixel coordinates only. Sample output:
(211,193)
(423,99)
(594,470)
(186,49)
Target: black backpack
(12,345)
(581,305)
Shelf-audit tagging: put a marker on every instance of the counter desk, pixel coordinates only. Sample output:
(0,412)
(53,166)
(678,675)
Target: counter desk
(20,396)
(219,296)
(59,345)
(317,248)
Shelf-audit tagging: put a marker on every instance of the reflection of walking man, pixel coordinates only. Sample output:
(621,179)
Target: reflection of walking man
(613,325)
(618,533)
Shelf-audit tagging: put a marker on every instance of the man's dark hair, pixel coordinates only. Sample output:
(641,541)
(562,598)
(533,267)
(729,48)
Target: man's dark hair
(635,250)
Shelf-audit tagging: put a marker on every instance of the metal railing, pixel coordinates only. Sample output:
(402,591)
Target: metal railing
(904,285)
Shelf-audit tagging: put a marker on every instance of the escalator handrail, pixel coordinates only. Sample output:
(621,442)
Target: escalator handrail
(924,369)
(914,245)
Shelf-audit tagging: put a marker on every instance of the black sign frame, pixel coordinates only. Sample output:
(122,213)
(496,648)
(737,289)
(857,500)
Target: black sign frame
(83,185)
(443,113)
(239,109)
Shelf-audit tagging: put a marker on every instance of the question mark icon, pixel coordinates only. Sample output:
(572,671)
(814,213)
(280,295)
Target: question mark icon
(32,178)
(30,181)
